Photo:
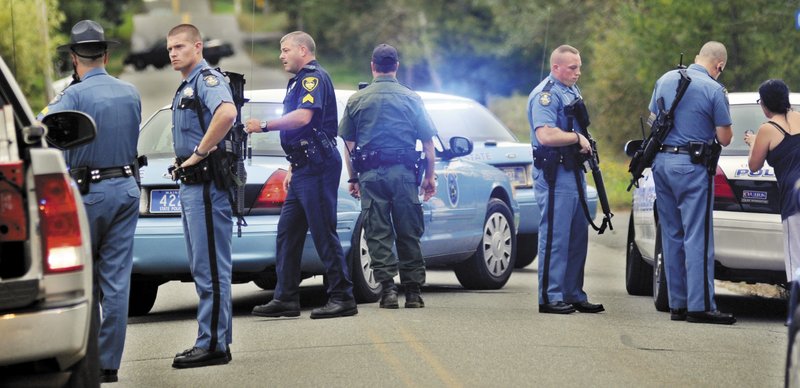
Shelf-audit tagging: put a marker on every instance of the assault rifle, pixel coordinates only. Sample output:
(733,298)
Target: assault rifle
(644,151)
(237,151)
(576,111)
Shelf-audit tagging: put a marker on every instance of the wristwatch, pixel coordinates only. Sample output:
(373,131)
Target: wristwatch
(200,154)
(264,126)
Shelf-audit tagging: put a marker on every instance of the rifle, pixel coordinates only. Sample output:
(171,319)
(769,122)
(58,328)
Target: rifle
(576,110)
(659,129)
(238,149)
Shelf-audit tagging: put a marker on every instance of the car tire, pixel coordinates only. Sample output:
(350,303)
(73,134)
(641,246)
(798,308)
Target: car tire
(85,373)
(213,61)
(267,281)
(527,249)
(140,64)
(638,273)
(365,288)
(491,265)
(142,298)
(660,290)
(793,352)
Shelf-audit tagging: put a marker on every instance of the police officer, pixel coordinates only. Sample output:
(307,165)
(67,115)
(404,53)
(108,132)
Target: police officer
(308,132)
(381,125)
(106,168)
(202,114)
(563,228)
(684,185)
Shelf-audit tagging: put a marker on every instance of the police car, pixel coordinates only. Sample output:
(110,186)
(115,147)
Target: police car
(496,145)
(748,235)
(470,225)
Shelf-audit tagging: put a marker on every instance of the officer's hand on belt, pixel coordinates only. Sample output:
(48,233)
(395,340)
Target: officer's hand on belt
(196,158)
(586,147)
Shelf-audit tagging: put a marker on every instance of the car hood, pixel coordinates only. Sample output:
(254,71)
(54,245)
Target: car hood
(501,153)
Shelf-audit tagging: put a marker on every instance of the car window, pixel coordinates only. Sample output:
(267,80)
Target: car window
(468,119)
(156,135)
(744,117)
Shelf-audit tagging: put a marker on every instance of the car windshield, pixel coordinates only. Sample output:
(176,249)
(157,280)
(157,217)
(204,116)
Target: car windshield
(745,117)
(468,119)
(155,138)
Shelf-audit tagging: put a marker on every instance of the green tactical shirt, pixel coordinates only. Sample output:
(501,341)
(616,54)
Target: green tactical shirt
(386,115)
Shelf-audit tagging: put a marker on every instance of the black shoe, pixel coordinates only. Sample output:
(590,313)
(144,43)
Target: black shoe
(197,357)
(556,308)
(187,351)
(677,314)
(276,308)
(108,376)
(389,299)
(228,354)
(334,309)
(414,301)
(710,317)
(586,307)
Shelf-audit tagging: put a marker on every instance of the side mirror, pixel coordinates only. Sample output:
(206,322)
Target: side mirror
(632,146)
(460,146)
(69,129)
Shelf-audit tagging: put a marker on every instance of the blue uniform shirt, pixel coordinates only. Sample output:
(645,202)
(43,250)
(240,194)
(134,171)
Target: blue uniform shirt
(547,107)
(703,108)
(210,90)
(311,88)
(116,109)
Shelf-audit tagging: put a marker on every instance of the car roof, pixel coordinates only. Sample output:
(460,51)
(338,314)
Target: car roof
(740,98)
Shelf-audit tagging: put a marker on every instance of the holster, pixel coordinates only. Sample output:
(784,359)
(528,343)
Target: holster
(82,178)
(192,175)
(705,154)
(547,159)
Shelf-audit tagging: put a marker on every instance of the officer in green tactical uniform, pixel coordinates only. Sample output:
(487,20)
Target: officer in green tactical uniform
(380,127)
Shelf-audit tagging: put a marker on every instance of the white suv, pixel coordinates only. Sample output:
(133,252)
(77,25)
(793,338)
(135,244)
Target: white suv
(748,236)
(45,250)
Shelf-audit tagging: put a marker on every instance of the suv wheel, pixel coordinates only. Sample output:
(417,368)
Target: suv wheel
(142,298)
(491,265)
(365,288)
(638,274)
(660,290)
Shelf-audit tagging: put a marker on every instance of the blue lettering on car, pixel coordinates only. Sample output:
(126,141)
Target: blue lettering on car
(759,195)
(764,172)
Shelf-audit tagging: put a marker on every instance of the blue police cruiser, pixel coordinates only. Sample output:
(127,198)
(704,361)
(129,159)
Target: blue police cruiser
(748,236)
(470,225)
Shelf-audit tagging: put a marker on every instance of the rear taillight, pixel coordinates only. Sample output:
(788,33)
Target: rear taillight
(723,193)
(58,217)
(272,194)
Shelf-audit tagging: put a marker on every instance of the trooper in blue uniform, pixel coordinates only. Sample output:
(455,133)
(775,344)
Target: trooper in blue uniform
(308,131)
(684,184)
(106,168)
(563,229)
(202,115)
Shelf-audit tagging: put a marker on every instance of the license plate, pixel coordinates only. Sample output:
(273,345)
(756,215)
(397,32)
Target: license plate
(165,201)
(518,175)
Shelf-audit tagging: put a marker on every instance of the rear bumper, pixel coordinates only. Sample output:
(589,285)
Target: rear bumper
(34,335)
(752,241)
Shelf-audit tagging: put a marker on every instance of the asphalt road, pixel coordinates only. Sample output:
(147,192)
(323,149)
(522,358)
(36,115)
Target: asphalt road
(468,339)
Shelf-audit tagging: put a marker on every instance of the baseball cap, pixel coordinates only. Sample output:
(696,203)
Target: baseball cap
(384,55)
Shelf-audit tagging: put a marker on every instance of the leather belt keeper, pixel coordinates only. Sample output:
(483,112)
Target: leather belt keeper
(100,174)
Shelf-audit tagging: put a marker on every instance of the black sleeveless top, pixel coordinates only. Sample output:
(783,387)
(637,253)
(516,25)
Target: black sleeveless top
(785,159)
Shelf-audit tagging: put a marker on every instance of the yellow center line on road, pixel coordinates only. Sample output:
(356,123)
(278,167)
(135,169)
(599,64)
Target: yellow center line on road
(390,358)
(441,371)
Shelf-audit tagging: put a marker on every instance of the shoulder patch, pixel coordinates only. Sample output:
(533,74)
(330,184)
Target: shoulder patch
(545,99)
(310,83)
(211,80)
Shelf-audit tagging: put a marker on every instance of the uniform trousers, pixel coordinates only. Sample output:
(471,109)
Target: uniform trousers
(563,238)
(310,205)
(112,207)
(208,227)
(393,216)
(685,205)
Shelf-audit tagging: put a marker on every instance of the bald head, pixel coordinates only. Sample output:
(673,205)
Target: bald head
(713,56)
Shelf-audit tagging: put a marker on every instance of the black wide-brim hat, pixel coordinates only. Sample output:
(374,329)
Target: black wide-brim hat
(85,32)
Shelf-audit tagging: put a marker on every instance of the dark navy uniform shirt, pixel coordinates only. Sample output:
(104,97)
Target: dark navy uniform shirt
(208,88)
(116,109)
(703,107)
(311,88)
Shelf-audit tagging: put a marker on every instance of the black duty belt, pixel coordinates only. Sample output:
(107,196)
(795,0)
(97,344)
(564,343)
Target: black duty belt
(674,149)
(99,174)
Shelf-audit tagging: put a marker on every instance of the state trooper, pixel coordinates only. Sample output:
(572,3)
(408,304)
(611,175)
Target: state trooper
(563,228)
(381,125)
(106,173)
(308,130)
(683,172)
(202,115)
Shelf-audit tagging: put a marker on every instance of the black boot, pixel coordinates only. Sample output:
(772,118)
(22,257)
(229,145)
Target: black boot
(413,296)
